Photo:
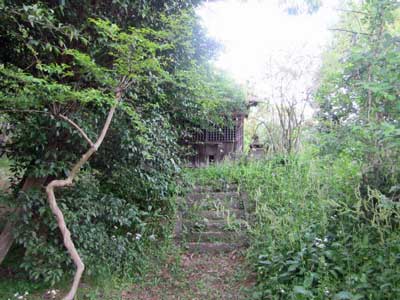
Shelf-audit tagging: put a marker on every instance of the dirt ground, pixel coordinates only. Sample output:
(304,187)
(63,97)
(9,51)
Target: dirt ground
(198,277)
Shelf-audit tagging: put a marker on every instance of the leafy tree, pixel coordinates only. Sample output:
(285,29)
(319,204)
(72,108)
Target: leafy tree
(359,92)
(25,91)
(67,70)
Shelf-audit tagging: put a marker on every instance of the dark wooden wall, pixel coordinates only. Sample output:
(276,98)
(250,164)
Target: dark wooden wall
(211,151)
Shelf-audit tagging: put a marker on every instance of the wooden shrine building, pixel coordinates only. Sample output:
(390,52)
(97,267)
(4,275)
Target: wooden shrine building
(218,142)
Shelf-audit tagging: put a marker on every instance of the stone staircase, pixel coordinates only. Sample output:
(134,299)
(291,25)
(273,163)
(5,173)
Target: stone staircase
(212,220)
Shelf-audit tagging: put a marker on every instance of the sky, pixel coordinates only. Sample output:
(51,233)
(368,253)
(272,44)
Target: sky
(256,34)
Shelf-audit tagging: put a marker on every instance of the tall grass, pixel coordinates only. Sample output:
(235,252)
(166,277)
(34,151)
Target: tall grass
(313,236)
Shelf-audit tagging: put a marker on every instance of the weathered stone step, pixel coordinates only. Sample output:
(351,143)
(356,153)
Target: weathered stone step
(205,225)
(215,236)
(209,204)
(222,214)
(212,248)
(213,196)
(216,225)
(213,225)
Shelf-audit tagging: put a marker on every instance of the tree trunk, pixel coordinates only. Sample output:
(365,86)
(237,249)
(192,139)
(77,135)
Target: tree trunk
(68,243)
(7,237)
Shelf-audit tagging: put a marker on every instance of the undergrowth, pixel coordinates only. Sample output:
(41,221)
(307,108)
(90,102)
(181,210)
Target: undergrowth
(313,235)
(102,286)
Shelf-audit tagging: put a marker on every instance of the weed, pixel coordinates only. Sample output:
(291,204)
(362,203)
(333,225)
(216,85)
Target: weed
(312,234)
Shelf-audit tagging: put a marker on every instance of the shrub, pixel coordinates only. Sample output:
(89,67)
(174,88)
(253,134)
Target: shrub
(109,232)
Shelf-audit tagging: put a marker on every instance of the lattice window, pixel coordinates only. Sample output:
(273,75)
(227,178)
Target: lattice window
(199,136)
(218,134)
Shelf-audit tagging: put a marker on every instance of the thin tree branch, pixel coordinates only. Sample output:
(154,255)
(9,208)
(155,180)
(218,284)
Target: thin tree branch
(84,135)
(57,183)
(25,111)
(348,31)
(352,11)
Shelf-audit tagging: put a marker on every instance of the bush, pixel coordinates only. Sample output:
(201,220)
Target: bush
(109,232)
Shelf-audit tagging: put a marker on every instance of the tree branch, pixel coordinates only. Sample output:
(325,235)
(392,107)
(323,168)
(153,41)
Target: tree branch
(352,11)
(348,31)
(65,118)
(68,243)
(84,135)
(36,111)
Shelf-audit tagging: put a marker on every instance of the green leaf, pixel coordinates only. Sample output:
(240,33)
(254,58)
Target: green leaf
(343,295)
(299,290)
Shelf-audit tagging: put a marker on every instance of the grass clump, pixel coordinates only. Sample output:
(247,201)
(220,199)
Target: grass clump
(313,235)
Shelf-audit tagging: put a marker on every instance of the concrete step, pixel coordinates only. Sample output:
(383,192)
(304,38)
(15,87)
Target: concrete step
(211,204)
(212,248)
(205,225)
(213,225)
(213,195)
(215,236)
(222,214)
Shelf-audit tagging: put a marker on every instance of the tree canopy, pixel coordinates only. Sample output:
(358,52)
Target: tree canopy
(64,67)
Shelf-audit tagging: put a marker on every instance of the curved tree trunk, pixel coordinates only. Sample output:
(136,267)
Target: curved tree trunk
(7,237)
(68,243)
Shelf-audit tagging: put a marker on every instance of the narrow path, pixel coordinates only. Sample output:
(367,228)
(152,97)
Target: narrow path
(197,277)
(211,233)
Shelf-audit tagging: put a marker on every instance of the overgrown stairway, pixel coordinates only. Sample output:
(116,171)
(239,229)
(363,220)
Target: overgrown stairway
(212,220)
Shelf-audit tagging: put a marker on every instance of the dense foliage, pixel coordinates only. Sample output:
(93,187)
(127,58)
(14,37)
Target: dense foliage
(359,93)
(67,58)
(313,235)
(327,220)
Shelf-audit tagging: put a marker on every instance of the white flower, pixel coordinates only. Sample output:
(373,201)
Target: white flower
(319,243)
(138,236)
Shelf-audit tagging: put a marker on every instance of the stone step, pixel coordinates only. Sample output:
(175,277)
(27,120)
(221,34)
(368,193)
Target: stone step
(222,214)
(213,196)
(211,204)
(213,225)
(214,236)
(212,248)
(205,225)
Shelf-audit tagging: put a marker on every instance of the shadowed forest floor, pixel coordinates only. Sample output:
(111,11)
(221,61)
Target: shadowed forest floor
(181,277)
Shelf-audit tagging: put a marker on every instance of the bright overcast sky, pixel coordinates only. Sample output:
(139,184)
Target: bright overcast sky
(253,31)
